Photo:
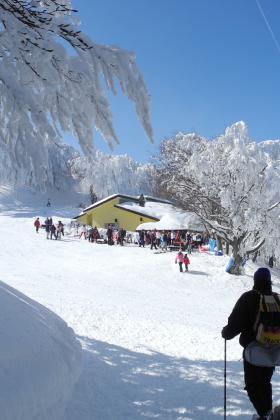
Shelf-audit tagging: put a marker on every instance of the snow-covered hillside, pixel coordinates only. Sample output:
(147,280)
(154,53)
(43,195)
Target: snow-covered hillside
(150,335)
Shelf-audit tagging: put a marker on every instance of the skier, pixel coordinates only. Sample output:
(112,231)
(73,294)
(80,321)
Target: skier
(243,321)
(90,234)
(49,203)
(177,238)
(153,239)
(95,234)
(48,227)
(142,238)
(158,238)
(186,262)
(59,229)
(168,238)
(148,238)
(164,241)
(84,232)
(37,224)
(121,236)
(180,259)
(53,231)
(110,235)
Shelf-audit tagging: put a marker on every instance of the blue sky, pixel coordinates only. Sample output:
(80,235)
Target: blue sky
(206,63)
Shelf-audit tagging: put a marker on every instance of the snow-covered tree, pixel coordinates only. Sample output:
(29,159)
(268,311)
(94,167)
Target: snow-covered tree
(52,79)
(230,183)
(92,195)
(111,174)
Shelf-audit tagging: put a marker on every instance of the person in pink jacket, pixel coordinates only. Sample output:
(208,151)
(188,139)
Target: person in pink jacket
(180,259)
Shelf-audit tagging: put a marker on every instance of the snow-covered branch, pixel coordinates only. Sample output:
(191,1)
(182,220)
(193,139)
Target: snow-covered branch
(52,77)
(273,206)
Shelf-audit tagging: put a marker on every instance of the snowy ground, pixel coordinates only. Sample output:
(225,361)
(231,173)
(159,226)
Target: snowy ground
(150,335)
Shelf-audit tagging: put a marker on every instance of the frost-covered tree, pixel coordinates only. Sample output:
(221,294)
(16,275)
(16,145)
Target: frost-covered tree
(230,183)
(93,196)
(111,174)
(52,80)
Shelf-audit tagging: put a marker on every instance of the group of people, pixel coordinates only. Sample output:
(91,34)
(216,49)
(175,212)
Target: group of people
(182,259)
(164,239)
(155,239)
(93,234)
(115,236)
(112,236)
(53,230)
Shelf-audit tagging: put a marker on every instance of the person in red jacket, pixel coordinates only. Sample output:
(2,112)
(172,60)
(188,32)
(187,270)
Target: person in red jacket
(186,262)
(178,238)
(37,224)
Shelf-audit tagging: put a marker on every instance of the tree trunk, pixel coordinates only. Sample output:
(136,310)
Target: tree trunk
(238,258)
(219,244)
(227,248)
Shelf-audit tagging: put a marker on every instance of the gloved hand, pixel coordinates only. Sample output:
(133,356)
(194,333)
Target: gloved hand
(223,332)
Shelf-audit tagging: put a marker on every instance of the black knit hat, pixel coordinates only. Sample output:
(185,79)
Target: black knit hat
(262,280)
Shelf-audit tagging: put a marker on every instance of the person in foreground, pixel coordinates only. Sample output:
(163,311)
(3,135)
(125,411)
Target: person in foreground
(244,321)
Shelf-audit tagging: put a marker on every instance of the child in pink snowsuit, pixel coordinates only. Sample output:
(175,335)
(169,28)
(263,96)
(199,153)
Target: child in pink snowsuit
(180,259)
(186,262)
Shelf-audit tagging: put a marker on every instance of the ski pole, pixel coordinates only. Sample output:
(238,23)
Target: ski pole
(225,380)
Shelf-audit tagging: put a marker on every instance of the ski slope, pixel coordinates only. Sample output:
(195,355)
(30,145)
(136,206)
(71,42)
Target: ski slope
(150,335)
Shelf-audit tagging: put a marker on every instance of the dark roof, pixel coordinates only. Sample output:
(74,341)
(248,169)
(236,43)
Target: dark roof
(157,200)
(111,197)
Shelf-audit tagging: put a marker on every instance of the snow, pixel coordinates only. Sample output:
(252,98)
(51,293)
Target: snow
(171,218)
(40,359)
(150,335)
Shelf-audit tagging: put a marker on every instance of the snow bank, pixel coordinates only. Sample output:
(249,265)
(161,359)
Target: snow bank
(39,358)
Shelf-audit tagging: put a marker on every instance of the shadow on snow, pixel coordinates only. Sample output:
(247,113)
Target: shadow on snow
(120,384)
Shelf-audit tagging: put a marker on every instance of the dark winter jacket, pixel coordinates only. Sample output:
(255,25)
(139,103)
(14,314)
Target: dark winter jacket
(47,225)
(243,317)
(109,233)
(53,229)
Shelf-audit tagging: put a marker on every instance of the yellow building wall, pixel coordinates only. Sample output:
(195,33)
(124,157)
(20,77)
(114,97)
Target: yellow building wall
(107,213)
